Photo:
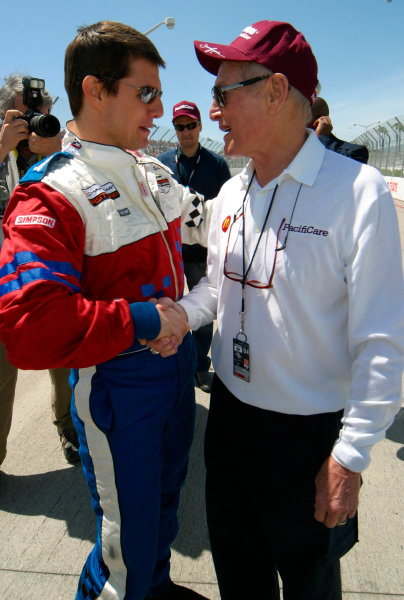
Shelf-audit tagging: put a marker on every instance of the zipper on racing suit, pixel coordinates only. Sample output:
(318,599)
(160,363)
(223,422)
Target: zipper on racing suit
(140,177)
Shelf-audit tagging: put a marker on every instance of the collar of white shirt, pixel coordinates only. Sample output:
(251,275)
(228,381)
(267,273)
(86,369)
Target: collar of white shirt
(304,168)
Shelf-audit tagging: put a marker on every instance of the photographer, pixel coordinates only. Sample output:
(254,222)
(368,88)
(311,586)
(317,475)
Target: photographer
(20,148)
(16,156)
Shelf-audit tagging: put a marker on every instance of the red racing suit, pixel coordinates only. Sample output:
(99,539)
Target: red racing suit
(91,234)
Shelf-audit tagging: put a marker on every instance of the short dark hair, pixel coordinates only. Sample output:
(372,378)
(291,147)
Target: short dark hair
(104,50)
(319,108)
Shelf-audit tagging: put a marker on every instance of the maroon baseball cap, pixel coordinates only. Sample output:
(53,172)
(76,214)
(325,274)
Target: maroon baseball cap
(274,44)
(189,109)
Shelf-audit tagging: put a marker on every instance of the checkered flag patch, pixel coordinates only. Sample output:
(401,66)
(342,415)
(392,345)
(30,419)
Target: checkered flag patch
(195,217)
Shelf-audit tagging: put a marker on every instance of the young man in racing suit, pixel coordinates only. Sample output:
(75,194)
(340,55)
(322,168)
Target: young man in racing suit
(90,235)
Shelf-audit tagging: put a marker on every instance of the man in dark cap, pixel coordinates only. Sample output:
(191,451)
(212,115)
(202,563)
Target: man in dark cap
(305,278)
(204,171)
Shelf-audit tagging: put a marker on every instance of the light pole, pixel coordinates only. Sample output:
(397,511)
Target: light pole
(169,21)
(366,127)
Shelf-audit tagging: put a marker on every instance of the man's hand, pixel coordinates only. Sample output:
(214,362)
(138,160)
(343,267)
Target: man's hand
(12,132)
(174,326)
(166,346)
(322,126)
(44,146)
(337,493)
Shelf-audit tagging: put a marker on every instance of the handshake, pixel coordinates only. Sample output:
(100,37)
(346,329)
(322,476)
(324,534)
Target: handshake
(174,326)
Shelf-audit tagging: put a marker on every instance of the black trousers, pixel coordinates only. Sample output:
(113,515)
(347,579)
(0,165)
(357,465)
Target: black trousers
(260,494)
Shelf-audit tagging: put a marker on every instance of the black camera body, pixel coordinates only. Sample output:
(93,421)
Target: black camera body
(42,125)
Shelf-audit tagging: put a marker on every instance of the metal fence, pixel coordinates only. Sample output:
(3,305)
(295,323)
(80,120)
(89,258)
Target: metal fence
(385,143)
(165,138)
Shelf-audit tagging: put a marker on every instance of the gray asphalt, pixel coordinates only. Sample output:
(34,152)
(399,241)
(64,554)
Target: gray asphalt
(48,529)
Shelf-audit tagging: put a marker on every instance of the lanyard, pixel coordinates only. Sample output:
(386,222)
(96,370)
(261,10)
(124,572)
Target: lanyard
(197,158)
(246,271)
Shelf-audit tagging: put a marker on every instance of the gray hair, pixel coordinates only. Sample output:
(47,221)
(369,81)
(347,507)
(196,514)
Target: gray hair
(251,69)
(302,103)
(12,87)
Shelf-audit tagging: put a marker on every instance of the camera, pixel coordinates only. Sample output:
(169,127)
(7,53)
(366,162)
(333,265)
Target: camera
(42,125)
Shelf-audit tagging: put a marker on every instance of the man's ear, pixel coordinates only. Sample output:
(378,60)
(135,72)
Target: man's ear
(93,91)
(277,87)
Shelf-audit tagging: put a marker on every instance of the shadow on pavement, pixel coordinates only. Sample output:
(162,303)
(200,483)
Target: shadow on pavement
(193,535)
(61,495)
(395,433)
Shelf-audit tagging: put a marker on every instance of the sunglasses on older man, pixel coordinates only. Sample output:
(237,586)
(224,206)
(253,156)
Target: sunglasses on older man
(218,93)
(188,126)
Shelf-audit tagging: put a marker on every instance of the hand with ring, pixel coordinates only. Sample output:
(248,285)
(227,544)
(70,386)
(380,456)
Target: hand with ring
(337,494)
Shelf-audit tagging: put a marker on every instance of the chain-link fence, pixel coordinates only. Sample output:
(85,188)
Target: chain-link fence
(385,143)
(164,138)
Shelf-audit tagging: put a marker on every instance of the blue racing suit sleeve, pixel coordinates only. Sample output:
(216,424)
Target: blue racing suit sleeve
(146,320)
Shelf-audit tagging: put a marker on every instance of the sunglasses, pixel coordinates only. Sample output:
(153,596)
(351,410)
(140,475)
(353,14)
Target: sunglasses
(253,282)
(278,248)
(188,126)
(147,93)
(218,93)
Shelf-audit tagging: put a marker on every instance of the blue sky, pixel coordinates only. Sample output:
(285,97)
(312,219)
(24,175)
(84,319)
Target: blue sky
(358,44)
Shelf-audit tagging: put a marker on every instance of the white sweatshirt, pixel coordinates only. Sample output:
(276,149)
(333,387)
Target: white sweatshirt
(329,334)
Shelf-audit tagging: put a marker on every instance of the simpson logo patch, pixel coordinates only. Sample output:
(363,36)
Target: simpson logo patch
(98,193)
(226,224)
(164,184)
(35,220)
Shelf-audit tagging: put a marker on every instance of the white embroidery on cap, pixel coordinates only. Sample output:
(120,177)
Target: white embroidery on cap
(248,32)
(209,50)
(184,106)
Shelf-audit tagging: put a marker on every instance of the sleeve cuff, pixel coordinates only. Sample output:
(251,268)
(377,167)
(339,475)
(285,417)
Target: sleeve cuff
(352,458)
(146,320)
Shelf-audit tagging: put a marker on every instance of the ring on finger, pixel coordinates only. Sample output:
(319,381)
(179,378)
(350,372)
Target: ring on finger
(341,523)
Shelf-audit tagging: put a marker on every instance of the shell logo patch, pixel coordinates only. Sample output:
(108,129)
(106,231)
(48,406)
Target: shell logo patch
(226,224)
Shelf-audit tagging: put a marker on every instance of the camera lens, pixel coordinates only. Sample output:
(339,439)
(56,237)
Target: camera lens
(45,125)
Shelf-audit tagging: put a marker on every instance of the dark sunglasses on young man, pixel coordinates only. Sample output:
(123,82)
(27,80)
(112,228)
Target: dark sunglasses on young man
(188,126)
(147,93)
